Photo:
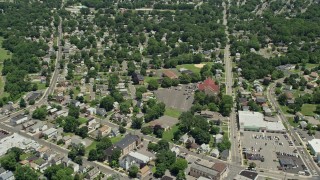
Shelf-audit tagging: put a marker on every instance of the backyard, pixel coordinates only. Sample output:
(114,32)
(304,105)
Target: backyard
(308,109)
(168,135)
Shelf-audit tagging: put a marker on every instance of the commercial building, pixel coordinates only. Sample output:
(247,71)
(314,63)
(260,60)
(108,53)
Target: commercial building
(50,132)
(134,158)
(314,145)
(246,175)
(204,168)
(254,121)
(209,86)
(19,119)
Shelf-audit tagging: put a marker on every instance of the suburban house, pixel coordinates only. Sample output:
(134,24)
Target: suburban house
(101,112)
(19,119)
(93,173)
(143,172)
(169,74)
(114,132)
(209,86)
(137,78)
(75,140)
(134,158)
(39,126)
(50,132)
(92,124)
(104,130)
(34,96)
(6,175)
(126,145)
(204,148)
(218,138)
(68,163)
(75,103)
(184,138)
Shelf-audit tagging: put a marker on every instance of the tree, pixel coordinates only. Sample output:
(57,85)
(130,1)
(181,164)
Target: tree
(179,165)
(252,165)
(133,171)
(78,160)
(58,171)
(107,103)
(74,111)
(122,129)
(282,99)
(137,123)
(153,85)
(225,144)
(22,103)
(163,145)
(317,109)
(9,162)
(25,173)
(82,132)
(166,82)
(92,155)
(181,176)
(160,170)
(40,113)
(115,158)
(146,130)
(71,124)
(125,107)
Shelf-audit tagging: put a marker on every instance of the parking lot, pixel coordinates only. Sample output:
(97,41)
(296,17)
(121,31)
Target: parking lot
(180,97)
(262,148)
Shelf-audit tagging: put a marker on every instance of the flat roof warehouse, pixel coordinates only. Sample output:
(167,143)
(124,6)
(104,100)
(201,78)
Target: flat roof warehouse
(254,121)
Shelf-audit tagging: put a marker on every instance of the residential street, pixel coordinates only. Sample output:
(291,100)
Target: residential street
(234,135)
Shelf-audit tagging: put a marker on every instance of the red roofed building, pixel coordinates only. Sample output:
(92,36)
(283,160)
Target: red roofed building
(209,86)
(169,74)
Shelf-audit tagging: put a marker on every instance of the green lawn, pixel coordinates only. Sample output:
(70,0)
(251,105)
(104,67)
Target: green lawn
(147,78)
(67,134)
(308,109)
(285,109)
(191,67)
(310,66)
(25,156)
(172,112)
(3,53)
(41,86)
(116,139)
(225,129)
(168,135)
(82,120)
(92,146)
(292,123)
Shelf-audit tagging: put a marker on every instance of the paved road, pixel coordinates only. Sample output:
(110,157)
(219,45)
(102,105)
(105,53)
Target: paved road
(305,157)
(234,135)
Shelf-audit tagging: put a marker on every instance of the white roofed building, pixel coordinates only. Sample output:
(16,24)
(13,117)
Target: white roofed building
(254,121)
(314,145)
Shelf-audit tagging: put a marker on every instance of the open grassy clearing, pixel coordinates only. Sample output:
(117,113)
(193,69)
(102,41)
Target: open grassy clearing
(172,112)
(308,109)
(168,135)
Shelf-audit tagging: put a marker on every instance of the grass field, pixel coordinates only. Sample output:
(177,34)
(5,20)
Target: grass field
(3,53)
(292,123)
(285,109)
(83,120)
(308,109)
(147,78)
(92,146)
(168,135)
(172,112)
(116,139)
(191,67)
